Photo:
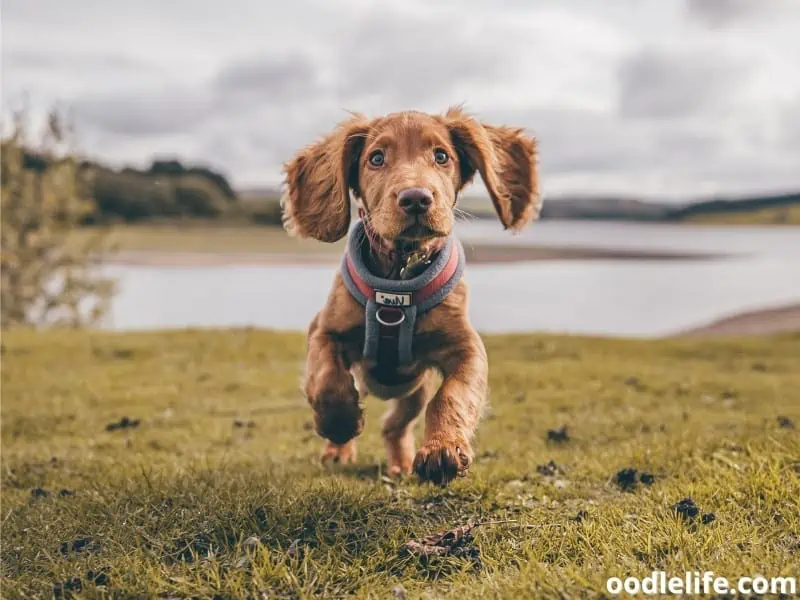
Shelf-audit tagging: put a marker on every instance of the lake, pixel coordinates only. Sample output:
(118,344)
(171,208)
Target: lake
(631,297)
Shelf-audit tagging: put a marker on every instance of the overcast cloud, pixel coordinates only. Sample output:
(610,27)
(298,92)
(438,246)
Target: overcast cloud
(664,98)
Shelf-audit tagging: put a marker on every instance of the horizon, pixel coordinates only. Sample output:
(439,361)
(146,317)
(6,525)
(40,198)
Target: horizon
(579,196)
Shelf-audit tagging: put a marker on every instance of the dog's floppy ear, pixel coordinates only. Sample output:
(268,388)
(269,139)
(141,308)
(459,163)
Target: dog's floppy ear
(506,160)
(316,199)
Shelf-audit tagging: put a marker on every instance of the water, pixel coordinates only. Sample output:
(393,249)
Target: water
(735,241)
(606,297)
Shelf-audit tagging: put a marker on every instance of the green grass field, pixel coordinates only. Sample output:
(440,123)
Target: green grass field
(211,486)
(209,236)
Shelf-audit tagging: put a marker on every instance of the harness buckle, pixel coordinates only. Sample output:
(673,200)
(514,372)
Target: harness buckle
(398,314)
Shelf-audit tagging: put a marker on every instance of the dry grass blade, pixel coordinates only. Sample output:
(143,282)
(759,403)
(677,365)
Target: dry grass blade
(426,550)
(440,544)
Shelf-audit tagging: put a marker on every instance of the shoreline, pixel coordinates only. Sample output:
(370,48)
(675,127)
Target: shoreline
(475,254)
(765,321)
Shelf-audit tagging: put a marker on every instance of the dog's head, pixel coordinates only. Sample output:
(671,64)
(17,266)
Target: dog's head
(406,170)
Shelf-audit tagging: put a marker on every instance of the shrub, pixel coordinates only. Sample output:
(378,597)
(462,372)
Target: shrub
(167,189)
(196,195)
(48,275)
(131,196)
(174,167)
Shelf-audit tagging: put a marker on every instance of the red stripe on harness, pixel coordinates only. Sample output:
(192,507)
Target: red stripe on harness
(436,284)
(363,286)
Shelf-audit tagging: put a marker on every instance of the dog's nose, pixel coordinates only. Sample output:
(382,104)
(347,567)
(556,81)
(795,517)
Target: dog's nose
(415,201)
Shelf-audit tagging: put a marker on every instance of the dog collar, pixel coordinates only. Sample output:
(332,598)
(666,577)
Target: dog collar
(392,306)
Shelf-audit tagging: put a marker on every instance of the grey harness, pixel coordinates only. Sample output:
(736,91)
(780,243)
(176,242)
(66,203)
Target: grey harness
(392,306)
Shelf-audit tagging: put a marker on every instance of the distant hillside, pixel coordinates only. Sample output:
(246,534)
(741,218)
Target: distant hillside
(603,208)
(774,209)
(783,207)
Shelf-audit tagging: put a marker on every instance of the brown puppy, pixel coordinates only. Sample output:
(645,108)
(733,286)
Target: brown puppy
(405,171)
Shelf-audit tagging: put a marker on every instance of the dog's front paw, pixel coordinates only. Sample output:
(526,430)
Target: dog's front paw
(338,419)
(441,460)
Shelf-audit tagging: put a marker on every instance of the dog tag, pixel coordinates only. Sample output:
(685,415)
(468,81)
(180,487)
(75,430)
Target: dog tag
(391,299)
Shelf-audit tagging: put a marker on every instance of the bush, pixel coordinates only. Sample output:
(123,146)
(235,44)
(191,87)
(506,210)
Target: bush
(175,167)
(167,189)
(48,277)
(131,196)
(196,195)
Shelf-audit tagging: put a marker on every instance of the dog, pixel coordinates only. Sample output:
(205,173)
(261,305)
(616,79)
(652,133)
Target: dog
(405,171)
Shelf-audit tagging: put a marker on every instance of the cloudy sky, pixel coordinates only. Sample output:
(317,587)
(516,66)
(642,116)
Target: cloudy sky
(666,98)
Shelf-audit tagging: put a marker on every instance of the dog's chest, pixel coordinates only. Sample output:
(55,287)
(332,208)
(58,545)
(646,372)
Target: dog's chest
(387,383)
(388,376)
(383,376)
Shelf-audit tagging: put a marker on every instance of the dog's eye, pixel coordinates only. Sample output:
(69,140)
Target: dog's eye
(376,159)
(440,156)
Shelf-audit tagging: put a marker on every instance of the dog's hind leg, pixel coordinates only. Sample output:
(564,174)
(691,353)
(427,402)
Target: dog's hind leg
(344,454)
(398,425)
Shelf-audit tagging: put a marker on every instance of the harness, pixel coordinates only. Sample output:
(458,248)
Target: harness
(392,306)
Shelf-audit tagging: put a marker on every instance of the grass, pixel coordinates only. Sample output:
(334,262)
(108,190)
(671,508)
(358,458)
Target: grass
(208,236)
(217,492)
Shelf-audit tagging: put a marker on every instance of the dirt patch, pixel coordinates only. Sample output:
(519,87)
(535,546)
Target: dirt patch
(581,516)
(628,479)
(708,518)
(550,469)
(67,588)
(123,423)
(558,436)
(39,493)
(80,545)
(74,585)
(187,550)
(688,510)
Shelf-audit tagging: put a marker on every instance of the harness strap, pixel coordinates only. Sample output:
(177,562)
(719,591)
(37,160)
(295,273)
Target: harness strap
(391,307)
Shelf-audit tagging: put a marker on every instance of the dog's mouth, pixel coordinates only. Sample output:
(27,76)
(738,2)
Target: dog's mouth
(420,231)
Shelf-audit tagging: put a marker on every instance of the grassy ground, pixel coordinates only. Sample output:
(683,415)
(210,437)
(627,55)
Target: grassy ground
(216,492)
(210,237)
